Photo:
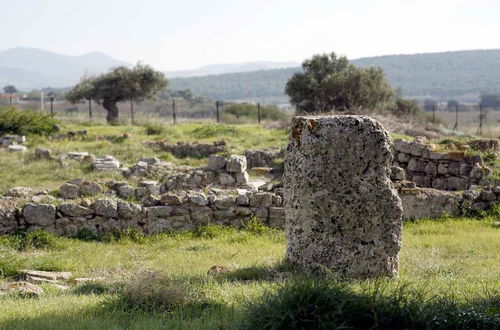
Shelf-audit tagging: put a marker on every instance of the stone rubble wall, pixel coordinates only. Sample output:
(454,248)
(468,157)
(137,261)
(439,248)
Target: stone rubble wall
(167,212)
(185,211)
(195,150)
(451,171)
(263,157)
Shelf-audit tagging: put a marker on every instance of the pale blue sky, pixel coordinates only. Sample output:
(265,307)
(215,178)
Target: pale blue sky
(185,34)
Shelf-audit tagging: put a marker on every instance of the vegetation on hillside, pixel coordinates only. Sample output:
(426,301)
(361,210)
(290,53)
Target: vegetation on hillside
(447,75)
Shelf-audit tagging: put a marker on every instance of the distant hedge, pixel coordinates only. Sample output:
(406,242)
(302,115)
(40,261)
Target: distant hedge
(25,122)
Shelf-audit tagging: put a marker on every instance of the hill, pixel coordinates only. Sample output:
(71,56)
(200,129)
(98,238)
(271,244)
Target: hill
(230,68)
(461,74)
(29,68)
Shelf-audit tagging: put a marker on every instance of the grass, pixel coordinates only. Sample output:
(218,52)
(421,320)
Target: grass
(24,170)
(456,259)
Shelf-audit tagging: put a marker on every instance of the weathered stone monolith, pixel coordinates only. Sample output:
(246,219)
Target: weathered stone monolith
(342,212)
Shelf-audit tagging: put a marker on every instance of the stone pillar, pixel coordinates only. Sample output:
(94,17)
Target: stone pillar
(342,212)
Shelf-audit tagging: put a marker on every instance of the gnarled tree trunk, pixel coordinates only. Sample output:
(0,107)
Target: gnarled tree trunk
(112,109)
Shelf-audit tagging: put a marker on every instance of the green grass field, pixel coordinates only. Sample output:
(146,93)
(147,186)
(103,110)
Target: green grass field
(456,259)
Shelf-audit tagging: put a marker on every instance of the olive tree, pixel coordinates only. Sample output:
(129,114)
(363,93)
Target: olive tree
(10,89)
(120,84)
(329,82)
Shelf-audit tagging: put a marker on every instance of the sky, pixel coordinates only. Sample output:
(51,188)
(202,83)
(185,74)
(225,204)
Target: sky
(186,34)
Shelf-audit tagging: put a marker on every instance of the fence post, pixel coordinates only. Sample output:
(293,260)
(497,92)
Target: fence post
(456,118)
(434,113)
(174,115)
(51,104)
(258,112)
(132,111)
(10,99)
(217,110)
(480,129)
(90,109)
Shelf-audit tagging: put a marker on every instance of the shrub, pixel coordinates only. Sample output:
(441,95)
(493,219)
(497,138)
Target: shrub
(25,122)
(210,231)
(127,235)
(39,239)
(154,128)
(310,304)
(404,107)
(86,234)
(255,226)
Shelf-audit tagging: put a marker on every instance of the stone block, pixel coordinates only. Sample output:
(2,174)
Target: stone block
(69,191)
(216,163)
(236,164)
(40,215)
(105,207)
(331,163)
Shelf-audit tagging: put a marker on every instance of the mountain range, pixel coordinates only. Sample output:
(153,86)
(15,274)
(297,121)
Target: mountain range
(29,68)
(458,74)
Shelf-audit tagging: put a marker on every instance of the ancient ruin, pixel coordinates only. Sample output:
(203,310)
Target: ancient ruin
(342,211)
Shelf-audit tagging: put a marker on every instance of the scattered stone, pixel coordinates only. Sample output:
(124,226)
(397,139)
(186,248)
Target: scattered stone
(53,276)
(152,187)
(107,163)
(263,157)
(342,211)
(89,188)
(23,289)
(43,153)
(236,164)
(19,192)
(17,148)
(69,191)
(77,155)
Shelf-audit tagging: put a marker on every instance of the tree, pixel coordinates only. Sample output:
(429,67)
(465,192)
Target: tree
(329,82)
(120,84)
(10,89)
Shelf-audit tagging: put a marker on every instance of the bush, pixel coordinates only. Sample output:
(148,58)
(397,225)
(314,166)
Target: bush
(39,239)
(320,305)
(154,128)
(211,231)
(256,227)
(25,122)
(404,107)
(127,235)
(87,235)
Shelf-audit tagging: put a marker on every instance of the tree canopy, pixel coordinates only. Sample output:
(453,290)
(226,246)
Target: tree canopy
(119,84)
(329,82)
(10,89)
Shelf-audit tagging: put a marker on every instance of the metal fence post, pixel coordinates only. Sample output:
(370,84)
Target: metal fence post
(132,111)
(480,129)
(258,113)
(456,118)
(174,115)
(90,109)
(217,110)
(51,105)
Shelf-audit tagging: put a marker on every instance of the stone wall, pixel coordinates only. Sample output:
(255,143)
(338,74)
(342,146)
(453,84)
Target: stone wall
(184,211)
(167,212)
(186,149)
(440,170)
(263,157)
